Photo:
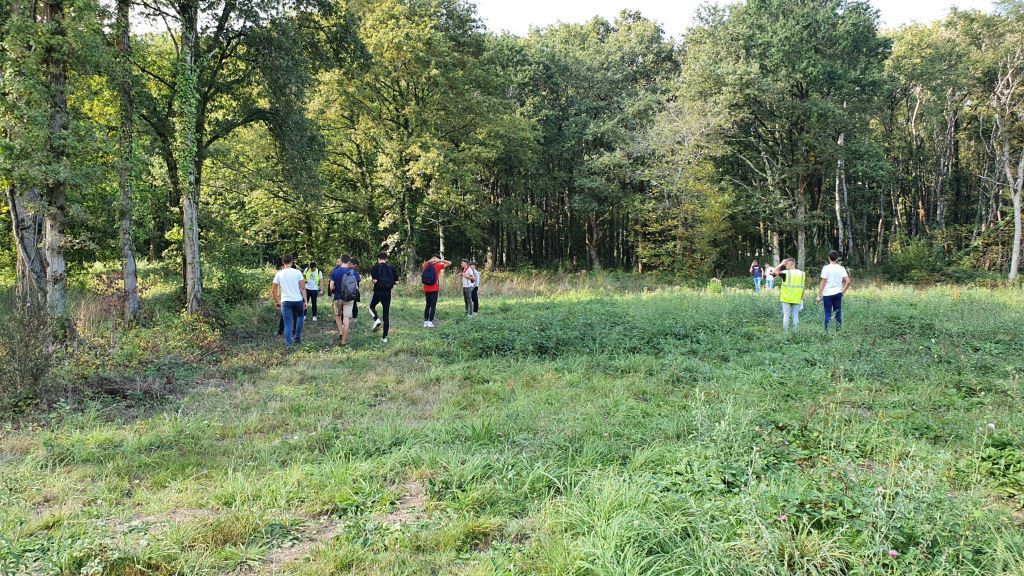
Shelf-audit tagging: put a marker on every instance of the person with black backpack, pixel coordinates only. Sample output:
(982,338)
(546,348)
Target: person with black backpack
(384,278)
(431,278)
(344,285)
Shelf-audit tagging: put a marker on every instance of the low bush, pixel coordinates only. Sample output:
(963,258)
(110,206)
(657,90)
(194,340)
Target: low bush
(26,346)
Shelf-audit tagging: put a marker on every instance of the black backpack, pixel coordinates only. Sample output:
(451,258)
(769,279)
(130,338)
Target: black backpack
(429,275)
(386,277)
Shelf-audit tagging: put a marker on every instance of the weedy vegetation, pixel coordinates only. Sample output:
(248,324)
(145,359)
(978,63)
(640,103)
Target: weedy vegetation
(590,426)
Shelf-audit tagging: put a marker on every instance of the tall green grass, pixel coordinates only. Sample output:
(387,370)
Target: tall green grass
(584,431)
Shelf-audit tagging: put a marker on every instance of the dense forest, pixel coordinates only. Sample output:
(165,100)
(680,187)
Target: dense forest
(212,134)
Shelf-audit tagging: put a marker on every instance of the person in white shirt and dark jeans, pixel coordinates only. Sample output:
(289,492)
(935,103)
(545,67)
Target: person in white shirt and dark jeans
(835,281)
(289,292)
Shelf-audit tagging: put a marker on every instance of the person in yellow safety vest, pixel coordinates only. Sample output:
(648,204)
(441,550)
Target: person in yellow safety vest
(314,279)
(792,293)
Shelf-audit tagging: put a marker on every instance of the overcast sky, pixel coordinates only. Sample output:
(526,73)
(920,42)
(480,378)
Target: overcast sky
(517,16)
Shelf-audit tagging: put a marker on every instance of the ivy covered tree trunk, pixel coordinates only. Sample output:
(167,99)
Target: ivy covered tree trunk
(25,201)
(55,217)
(126,207)
(26,209)
(186,104)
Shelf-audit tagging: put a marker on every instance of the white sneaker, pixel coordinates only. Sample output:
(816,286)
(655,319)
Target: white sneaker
(315,319)
(430,324)
(377,324)
(383,340)
(426,324)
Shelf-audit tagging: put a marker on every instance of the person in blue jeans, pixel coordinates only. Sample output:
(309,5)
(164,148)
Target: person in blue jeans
(835,281)
(758,274)
(289,292)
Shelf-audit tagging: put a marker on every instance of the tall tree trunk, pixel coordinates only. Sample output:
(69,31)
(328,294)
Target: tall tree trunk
(591,239)
(1016,189)
(440,240)
(126,207)
(848,214)
(55,217)
(945,161)
(840,176)
(801,223)
(26,209)
(25,202)
(186,103)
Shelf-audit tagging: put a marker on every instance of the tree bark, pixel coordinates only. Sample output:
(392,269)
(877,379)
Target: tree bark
(840,182)
(1017,188)
(55,217)
(801,224)
(26,209)
(186,103)
(129,269)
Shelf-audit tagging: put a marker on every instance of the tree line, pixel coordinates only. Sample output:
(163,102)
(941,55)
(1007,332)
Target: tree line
(210,134)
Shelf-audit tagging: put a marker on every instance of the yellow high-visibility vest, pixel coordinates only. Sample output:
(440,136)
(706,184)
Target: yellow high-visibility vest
(314,276)
(793,287)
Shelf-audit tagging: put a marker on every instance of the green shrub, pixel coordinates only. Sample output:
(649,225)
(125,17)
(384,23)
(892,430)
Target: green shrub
(26,346)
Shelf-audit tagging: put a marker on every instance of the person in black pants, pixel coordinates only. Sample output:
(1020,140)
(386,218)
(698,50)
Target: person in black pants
(476,287)
(430,290)
(314,278)
(354,265)
(384,278)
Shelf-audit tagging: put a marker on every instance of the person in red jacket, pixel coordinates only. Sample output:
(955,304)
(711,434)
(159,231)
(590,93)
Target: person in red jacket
(431,287)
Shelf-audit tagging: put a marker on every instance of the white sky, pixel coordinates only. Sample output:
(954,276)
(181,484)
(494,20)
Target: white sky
(517,16)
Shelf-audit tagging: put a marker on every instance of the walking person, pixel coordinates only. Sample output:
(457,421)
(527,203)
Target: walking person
(431,279)
(769,277)
(353,265)
(476,288)
(835,281)
(314,280)
(289,293)
(280,319)
(384,277)
(468,282)
(755,270)
(791,293)
(345,289)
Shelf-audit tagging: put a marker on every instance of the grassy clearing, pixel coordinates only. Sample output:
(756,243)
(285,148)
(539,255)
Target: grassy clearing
(578,432)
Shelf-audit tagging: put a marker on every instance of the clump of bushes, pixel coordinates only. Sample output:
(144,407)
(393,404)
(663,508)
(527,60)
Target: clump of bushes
(26,344)
(922,261)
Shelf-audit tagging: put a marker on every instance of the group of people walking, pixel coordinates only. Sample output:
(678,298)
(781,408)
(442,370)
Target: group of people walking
(835,281)
(295,293)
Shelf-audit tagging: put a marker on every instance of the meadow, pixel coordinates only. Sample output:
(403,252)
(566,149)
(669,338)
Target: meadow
(580,427)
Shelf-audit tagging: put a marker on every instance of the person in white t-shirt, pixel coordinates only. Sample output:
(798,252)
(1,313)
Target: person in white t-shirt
(835,281)
(468,282)
(769,277)
(289,292)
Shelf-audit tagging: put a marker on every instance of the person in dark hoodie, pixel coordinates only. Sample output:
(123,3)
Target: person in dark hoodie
(384,277)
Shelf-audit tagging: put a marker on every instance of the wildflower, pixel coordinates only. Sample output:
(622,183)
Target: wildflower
(991,425)
(893,554)
(783,518)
